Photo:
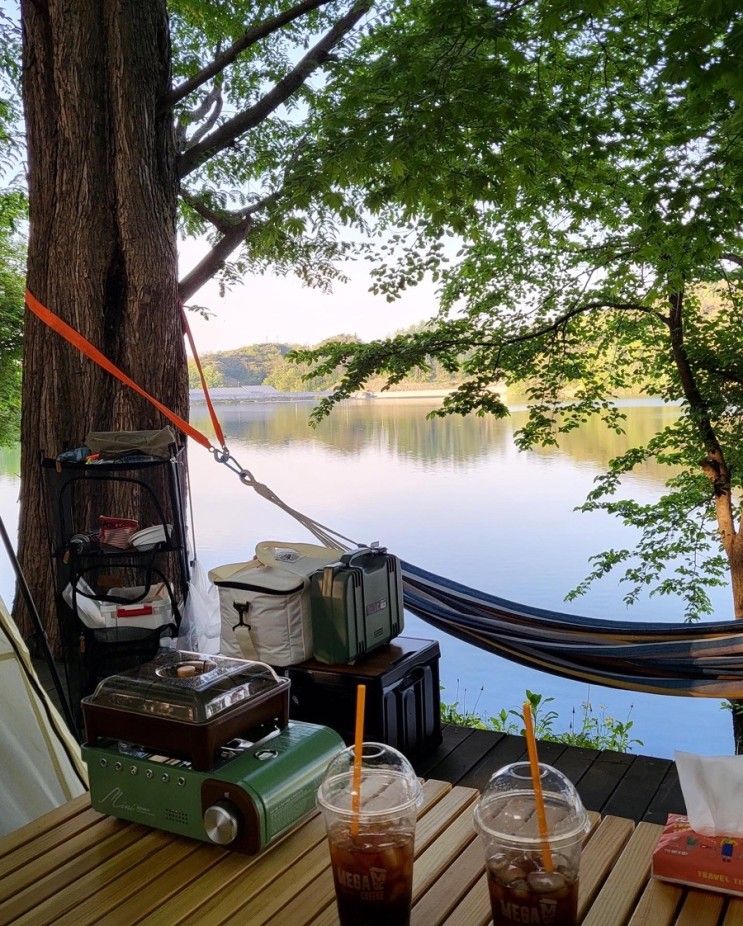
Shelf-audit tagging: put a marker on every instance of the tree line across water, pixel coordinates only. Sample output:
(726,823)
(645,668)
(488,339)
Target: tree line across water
(271,365)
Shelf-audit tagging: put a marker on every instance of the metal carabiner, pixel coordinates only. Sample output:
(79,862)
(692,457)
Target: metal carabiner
(221,456)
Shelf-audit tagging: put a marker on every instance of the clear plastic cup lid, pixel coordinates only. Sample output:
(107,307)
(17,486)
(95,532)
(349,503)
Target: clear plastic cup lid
(389,784)
(506,812)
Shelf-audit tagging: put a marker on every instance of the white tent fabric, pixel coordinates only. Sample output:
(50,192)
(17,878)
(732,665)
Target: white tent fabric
(39,758)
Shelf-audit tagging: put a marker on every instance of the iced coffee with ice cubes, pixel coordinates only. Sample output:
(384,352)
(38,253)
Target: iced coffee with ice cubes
(528,881)
(521,891)
(371,838)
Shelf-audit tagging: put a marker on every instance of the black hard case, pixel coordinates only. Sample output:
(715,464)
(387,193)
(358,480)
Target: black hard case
(402,695)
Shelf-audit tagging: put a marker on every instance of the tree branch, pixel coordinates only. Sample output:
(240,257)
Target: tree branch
(733,258)
(223,221)
(211,102)
(731,376)
(211,120)
(220,138)
(214,260)
(588,307)
(248,38)
(697,404)
(235,228)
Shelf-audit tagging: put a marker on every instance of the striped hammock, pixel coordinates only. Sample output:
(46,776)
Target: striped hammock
(698,660)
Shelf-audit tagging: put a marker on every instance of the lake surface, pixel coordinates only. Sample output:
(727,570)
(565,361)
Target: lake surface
(456,497)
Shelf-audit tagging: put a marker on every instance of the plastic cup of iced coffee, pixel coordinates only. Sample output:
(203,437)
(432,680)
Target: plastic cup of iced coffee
(371,835)
(532,877)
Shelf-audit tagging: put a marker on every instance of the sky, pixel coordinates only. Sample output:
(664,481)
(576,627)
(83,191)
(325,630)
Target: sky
(273,308)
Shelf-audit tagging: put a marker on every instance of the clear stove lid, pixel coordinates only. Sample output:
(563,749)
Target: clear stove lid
(190,687)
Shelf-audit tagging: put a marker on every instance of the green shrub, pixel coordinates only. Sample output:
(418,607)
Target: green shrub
(589,728)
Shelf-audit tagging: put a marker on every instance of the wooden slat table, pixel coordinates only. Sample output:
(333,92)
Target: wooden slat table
(75,866)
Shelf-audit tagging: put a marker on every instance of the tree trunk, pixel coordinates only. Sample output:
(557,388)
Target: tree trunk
(102,248)
(735,558)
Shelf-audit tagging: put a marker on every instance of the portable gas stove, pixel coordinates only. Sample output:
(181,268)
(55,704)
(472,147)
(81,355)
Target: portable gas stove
(203,746)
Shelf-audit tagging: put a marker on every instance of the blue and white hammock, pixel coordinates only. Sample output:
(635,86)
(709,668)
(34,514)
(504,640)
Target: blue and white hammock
(702,660)
(698,660)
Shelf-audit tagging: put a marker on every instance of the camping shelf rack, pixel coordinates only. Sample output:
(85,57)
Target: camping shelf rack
(152,491)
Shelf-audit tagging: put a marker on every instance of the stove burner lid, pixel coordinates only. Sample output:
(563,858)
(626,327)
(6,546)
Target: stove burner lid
(189,687)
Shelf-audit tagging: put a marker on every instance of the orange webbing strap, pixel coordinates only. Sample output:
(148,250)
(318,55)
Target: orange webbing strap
(85,347)
(212,414)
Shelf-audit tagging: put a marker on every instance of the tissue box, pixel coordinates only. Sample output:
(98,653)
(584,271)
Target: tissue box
(682,856)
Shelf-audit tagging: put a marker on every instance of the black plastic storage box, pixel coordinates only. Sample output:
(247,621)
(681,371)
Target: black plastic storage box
(402,695)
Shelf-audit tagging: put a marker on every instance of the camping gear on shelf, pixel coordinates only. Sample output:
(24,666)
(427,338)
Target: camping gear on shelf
(356,605)
(113,444)
(265,603)
(202,746)
(150,608)
(116,532)
(402,695)
(97,582)
(150,538)
(136,606)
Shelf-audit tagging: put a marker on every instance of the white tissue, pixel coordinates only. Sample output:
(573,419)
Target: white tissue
(713,791)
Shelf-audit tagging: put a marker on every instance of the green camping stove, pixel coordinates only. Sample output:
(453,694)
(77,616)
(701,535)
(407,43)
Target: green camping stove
(202,746)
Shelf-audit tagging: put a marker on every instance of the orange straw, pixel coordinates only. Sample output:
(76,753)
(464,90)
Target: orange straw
(531,746)
(358,744)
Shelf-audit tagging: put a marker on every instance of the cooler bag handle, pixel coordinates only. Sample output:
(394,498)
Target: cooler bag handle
(348,558)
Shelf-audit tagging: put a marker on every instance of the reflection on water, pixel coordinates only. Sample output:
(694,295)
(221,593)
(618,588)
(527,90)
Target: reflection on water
(401,428)
(397,427)
(454,496)
(10,462)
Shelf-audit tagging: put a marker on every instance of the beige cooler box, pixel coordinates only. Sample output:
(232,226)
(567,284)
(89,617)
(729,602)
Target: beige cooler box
(265,603)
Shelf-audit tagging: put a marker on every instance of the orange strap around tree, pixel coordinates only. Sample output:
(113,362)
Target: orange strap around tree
(85,347)
(212,414)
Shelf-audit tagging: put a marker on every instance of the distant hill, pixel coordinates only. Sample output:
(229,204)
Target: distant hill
(266,365)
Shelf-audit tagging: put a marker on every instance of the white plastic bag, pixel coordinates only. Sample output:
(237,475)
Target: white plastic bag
(200,623)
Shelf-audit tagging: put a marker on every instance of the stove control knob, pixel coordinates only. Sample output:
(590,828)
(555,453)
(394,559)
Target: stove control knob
(222,822)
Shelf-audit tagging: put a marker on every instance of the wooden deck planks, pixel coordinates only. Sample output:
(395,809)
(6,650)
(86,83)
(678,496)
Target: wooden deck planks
(132,875)
(641,788)
(641,779)
(626,880)
(465,756)
(667,798)
(452,738)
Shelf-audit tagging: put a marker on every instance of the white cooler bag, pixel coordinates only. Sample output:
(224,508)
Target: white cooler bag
(273,593)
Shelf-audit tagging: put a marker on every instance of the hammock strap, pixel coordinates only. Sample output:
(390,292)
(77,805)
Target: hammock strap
(212,413)
(92,353)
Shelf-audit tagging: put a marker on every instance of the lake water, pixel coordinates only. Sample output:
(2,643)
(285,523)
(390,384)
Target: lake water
(456,497)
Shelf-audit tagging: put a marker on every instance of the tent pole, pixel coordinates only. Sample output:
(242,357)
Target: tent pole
(39,632)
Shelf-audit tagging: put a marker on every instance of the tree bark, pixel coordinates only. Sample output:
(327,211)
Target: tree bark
(102,248)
